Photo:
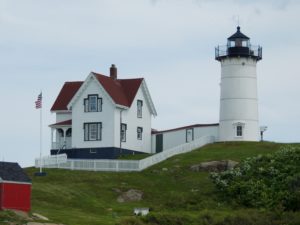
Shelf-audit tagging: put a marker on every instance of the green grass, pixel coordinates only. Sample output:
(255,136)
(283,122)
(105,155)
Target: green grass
(135,156)
(81,197)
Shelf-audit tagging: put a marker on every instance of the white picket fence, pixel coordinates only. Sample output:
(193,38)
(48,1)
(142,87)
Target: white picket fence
(51,160)
(127,165)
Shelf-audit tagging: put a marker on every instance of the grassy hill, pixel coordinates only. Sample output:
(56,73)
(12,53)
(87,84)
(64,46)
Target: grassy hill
(175,194)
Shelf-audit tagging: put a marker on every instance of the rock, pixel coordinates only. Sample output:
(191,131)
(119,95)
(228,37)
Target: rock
(164,169)
(117,190)
(21,214)
(231,164)
(39,216)
(130,196)
(214,166)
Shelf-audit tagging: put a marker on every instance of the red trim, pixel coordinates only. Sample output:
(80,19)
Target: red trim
(185,127)
(65,95)
(66,122)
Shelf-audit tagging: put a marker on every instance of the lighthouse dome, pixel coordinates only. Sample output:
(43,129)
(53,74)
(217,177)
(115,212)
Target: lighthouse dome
(238,45)
(238,35)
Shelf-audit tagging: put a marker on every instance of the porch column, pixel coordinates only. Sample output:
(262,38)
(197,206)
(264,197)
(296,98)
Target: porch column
(52,130)
(65,132)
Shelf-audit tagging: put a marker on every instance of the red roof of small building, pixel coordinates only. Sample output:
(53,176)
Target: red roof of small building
(62,123)
(153,131)
(122,91)
(65,95)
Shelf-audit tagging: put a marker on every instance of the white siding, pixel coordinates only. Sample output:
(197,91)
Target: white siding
(110,119)
(106,117)
(63,116)
(238,100)
(129,117)
(178,137)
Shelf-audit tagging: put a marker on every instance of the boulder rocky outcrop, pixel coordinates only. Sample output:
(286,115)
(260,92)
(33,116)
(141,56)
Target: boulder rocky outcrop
(214,166)
(131,195)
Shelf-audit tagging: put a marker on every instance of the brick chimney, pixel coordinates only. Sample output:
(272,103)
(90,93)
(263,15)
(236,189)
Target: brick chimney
(113,72)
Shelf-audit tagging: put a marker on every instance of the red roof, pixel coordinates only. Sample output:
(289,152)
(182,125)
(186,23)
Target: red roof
(66,122)
(185,127)
(65,95)
(122,91)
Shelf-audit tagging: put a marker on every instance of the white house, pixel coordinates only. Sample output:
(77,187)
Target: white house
(102,117)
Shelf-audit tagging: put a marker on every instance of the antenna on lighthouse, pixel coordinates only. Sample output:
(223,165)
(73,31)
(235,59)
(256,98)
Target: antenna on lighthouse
(236,19)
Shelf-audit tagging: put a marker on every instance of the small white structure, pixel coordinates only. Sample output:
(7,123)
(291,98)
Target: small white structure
(102,117)
(141,211)
(167,139)
(238,101)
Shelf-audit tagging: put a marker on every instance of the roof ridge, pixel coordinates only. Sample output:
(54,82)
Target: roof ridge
(185,127)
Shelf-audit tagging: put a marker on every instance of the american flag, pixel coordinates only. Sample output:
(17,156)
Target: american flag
(38,102)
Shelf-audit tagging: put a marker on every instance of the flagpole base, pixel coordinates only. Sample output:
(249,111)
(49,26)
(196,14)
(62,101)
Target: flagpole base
(40,174)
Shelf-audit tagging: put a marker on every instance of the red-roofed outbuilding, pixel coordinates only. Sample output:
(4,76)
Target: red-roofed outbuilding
(15,187)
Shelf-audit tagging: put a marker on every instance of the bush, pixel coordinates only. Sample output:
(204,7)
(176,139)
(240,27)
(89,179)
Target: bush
(271,181)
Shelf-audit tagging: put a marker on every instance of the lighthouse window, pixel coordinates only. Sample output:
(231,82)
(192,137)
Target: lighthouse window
(239,131)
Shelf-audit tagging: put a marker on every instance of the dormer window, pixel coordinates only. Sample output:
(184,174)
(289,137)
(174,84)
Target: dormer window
(139,108)
(93,103)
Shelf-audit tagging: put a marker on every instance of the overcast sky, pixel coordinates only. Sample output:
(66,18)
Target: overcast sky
(168,42)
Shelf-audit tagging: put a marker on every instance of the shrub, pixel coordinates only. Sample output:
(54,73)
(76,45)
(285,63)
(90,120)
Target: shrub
(271,181)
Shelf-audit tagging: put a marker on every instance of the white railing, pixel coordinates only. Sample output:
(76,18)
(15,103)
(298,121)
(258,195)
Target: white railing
(128,165)
(62,144)
(51,160)
(186,147)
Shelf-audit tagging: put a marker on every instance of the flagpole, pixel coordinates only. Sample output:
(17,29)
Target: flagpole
(41,139)
(39,105)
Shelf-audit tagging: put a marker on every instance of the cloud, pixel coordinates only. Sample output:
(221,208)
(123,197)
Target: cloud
(170,43)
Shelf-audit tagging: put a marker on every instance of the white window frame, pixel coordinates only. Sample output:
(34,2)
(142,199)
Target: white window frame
(92,131)
(239,129)
(191,131)
(92,103)
(139,133)
(123,129)
(139,108)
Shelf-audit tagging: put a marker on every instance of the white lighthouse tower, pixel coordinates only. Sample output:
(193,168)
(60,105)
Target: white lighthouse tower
(238,100)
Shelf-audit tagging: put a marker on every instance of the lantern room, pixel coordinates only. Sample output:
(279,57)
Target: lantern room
(238,45)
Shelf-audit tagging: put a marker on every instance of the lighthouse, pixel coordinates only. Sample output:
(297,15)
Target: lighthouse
(238,119)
